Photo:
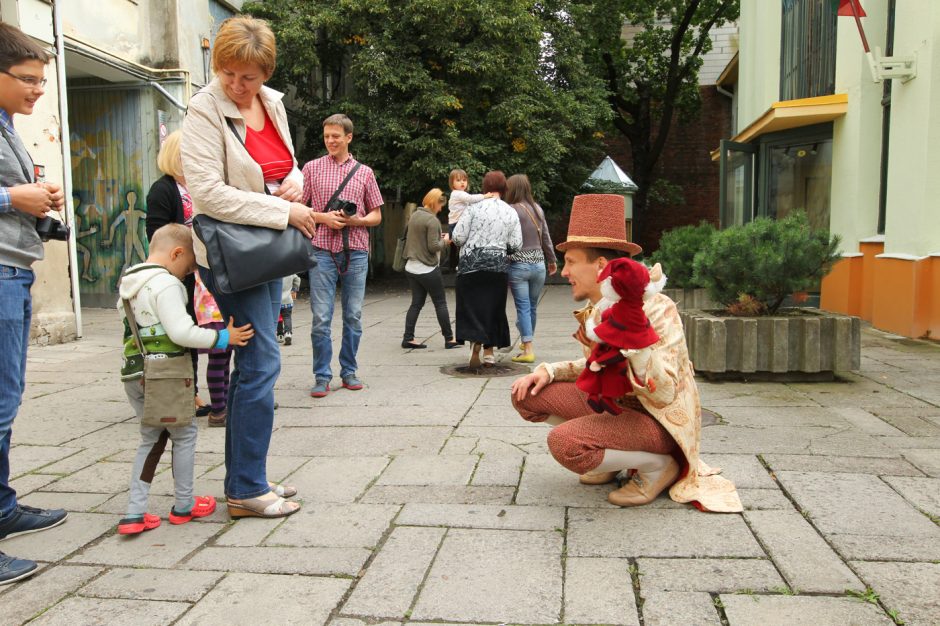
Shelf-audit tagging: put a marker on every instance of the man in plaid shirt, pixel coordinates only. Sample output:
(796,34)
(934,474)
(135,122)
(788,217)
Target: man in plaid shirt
(343,260)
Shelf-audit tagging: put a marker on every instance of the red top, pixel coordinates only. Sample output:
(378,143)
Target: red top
(268,150)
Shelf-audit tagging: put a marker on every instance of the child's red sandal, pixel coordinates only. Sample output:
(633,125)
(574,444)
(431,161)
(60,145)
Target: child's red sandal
(136,525)
(205,505)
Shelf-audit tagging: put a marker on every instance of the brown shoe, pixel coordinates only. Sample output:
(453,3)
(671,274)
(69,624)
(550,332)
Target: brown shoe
(642,491)
(217,419)
(601,478)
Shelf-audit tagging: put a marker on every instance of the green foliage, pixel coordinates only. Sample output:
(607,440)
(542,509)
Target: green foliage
(436,84)
(766,259)
(677,250)
(651,73)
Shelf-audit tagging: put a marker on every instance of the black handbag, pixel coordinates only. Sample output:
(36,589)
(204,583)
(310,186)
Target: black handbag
(242,256)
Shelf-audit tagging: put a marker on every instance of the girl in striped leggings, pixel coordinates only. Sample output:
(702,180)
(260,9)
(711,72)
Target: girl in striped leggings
(217,372)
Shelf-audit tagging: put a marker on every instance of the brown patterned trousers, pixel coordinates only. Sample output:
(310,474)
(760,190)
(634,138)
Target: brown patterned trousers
(579,443)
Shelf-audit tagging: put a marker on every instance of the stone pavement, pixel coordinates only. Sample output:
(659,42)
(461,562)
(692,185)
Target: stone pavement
(427,499)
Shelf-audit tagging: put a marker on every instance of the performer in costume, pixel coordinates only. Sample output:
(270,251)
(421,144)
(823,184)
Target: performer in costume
(658,430)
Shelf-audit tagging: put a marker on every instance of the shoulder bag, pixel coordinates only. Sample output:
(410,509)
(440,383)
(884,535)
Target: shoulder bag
(169,393)
(398,261)
(242,256)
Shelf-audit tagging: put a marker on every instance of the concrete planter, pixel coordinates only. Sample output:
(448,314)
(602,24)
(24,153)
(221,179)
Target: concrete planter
(692,298)
(803,344)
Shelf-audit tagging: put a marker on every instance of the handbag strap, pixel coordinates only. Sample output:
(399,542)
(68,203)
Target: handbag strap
(528,210)
(231,125)
(132,322)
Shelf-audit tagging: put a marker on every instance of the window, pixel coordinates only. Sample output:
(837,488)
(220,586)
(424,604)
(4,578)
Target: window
(796,173)
(807,49)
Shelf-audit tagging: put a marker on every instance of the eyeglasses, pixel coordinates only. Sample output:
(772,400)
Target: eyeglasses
(32,81)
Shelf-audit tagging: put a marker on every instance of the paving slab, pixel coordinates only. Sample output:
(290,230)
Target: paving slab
(431,469)
(833,502)
(77,610)
(24,600)
(928,461)
(252,599)
(544,482)
(248,535)
(438,494)
(843,464)
(389,586)
(712,575)
(599,591)
(666,533)
(98,478)
(666,608)
(806,560)
(279,560)
(337,479)
(788,610)
(924,493)
(152,584)
(25,459)
(79,502)
(909,588)
(494,517)
(744,470)
(349,441)
(498,469)
(764,499)
(162,547)
(334,525)
(885,547)
(492,576)
(446,415)
(78,530)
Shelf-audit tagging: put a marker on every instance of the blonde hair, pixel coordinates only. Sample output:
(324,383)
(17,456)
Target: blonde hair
(170,236)
(432,198)
(456,175)
(168,159)
(244,40)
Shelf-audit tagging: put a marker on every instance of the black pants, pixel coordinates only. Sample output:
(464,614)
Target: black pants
(421,286)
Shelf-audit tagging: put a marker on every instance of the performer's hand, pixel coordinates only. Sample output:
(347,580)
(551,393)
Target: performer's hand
(639,360)
(530,384)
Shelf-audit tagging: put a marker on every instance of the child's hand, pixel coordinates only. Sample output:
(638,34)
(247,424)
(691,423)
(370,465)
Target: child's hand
(489,195)
(239,335)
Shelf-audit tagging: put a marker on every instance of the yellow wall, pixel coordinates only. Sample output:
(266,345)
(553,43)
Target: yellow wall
(912,225)
(758,58)
(856,145)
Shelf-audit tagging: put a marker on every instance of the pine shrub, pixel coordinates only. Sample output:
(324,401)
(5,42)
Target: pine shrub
(677,250)
(765,260)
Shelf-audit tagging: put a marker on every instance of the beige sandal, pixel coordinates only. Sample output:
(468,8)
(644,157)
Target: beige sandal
(262,506)
(283,491)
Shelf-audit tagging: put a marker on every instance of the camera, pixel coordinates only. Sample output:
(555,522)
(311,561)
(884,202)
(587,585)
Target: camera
(348,208)
(51,228)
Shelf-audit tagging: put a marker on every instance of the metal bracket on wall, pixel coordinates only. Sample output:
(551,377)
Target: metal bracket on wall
(888,68)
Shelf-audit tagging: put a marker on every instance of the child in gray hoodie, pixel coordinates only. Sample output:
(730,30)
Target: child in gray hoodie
(157,300)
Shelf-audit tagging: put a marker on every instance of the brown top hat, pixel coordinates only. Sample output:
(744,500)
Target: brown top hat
(598,220)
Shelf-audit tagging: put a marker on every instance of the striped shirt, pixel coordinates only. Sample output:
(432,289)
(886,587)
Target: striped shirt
(267,148)
(321,178)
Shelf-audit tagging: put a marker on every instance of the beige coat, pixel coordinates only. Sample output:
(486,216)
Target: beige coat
(222,178)
(670,395)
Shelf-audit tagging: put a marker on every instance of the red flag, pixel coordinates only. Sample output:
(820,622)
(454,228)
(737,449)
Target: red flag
(845,8)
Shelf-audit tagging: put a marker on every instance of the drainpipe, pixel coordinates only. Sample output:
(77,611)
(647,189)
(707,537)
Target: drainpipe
(67,164)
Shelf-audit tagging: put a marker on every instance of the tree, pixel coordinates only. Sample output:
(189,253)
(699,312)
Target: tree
(651,73)
(436,84)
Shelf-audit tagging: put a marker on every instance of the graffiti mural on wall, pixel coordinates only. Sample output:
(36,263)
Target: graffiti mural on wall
(107,176)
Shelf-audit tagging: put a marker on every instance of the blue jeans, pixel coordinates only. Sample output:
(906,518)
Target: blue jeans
(251,386)
(526,281)
(323,280)
(16,309)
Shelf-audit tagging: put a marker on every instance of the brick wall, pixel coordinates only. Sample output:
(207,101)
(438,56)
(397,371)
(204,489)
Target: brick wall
(686,161)
(724,46)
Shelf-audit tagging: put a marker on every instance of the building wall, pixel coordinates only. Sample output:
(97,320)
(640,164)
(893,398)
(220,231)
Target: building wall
(856,137)
(759,59)
(53,315)
(724,46)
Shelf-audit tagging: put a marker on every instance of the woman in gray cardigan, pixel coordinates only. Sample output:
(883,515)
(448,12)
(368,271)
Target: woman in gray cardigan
(423,245)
